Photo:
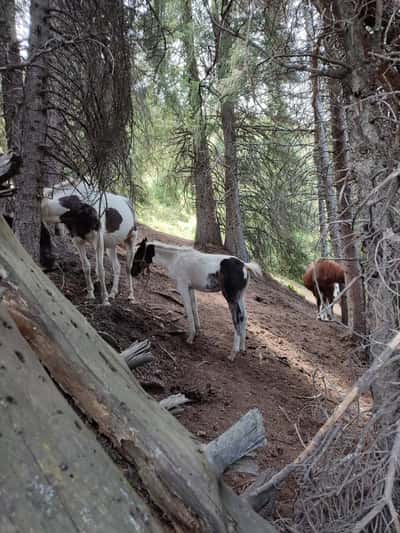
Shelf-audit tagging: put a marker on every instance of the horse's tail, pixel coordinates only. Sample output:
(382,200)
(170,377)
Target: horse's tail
(254,269)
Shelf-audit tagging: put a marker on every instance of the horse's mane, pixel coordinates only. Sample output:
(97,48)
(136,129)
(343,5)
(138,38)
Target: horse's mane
(172,247)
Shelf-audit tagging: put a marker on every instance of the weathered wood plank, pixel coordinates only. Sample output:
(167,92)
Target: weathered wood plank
(172,467)
(245,436)
(54,476)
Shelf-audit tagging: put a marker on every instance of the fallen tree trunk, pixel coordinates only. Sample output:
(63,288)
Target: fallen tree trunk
(54,475)
(172,467)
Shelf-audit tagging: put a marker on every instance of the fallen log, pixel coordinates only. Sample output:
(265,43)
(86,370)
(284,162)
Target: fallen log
(54,475)
(174,471)
(245,436)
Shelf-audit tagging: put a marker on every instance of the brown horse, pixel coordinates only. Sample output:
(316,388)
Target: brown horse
(320,278)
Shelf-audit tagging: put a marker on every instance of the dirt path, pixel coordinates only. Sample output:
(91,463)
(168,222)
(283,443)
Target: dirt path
(295,367)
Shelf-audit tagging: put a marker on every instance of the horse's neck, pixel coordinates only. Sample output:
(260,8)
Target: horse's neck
(164,257)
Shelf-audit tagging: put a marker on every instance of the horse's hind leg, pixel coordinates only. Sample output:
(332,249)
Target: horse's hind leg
(99,246)
(129,262)
(187,302)
(243,325)
(195,311)
(116,267)
(86,269)
(238,318)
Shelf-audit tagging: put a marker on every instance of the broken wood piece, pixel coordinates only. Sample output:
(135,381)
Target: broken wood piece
(173,401)
(138,354)
(239,440)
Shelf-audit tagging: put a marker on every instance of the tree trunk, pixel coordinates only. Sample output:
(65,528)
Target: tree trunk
(350,245)
(234,236)
(323,226)
(34,126)
(11,80)
(207,227)
(374,154)
(324,170)
(171,465)
(12,87)
(326,189)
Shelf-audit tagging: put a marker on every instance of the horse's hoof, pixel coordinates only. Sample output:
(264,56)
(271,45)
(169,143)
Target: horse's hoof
(232,356)
(190,339)
(106,302)
(113,294)
(131,299)
(90,296)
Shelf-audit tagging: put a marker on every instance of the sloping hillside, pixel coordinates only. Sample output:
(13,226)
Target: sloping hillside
(295,368)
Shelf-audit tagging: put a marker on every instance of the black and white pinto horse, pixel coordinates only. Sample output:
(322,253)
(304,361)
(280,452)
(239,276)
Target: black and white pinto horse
(103,219)
(193,270)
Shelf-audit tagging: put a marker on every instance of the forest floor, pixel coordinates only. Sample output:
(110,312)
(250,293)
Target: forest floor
(295,368)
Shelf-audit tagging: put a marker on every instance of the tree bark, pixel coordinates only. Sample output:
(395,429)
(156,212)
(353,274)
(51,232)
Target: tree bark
(326,189)
(324,171)
(12,87)
(207,227)
(234,235)
(55,476)
(172,467)
(350,244)
(34,125)
(11,80)
(374,154)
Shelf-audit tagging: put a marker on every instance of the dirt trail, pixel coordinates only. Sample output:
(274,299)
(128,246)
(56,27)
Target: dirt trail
(294,367)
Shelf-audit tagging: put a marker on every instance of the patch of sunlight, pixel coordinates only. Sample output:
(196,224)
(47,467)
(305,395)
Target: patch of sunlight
(300,290)
(168,219)
(294,286)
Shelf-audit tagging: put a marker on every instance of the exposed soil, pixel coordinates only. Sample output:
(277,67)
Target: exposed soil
(295,368)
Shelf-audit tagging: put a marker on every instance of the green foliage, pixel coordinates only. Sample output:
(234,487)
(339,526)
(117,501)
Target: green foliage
(274,145)
(165,209)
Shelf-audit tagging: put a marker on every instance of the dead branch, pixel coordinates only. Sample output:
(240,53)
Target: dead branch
(323,433)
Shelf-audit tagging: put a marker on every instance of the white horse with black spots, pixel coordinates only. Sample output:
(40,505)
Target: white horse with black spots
(197,271)
(103,219)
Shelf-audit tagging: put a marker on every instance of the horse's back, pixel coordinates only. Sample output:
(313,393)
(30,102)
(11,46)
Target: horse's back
(116,212)
(325,271)
(205,272)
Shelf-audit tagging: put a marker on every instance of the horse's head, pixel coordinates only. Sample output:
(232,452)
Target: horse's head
(143,257)
(81,220)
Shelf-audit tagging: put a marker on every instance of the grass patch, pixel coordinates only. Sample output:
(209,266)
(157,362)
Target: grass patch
(171,219)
